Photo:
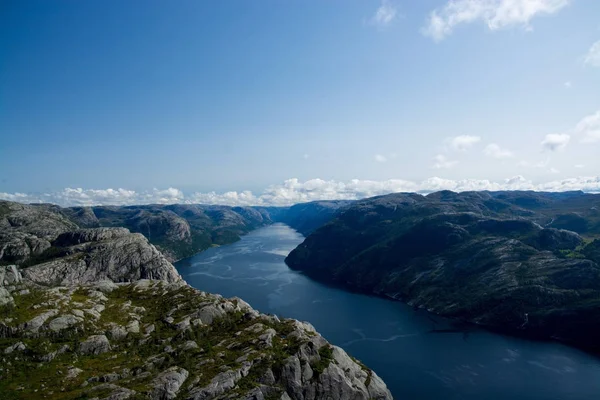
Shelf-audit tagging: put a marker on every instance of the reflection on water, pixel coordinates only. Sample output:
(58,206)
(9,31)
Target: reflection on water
(420,356)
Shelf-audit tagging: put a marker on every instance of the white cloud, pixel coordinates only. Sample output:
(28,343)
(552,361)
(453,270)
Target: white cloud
(463,142)
(496,14)
(589,128)
(384,15)
(495,151)
(442,162)
(380,158)
(579,166)
(593,55)
(538,164)
(554,171)
(294,191)
(568,85)
(306,156)
(556,141)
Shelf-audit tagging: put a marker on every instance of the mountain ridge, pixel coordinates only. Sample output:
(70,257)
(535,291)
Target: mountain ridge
(497,259)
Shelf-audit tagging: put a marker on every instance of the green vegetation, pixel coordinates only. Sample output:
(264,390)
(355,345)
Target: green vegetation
(221,345)
(326,356)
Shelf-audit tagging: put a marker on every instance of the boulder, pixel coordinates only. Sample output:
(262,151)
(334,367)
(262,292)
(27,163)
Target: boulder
(167,383)
(96,344)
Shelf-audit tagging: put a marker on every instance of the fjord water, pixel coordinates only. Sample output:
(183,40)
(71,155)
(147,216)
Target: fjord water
(418,355)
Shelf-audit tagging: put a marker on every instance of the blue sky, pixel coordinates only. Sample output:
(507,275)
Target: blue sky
(233,96)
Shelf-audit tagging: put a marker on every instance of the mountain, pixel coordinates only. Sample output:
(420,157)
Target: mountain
(178,231)
(307,217)
(99,312)
(182,230)
(498,259)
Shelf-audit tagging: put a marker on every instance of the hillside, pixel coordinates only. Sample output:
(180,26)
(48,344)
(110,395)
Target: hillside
(495,259)
(101,313)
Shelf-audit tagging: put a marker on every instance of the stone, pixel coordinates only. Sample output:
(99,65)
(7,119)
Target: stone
(73,372)
(77,313)
(36,323)
(96,344)
(189,345)
(5,297)
(19,346)
(63,322)
(118,332)
(133,327)
(168,383)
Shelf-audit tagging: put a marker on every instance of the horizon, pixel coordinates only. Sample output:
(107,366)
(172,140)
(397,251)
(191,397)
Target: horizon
(297,193)
(269,104)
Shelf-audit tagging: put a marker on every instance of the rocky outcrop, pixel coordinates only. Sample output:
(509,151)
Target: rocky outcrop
(56,252)
(186,344)
(117,255)
(94,345)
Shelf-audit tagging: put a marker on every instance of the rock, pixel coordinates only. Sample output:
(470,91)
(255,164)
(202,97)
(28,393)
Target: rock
(110,377)
(117,257)
(167,384)
(105,286)
(117,392)
(133,327)
(220,383)
(117,332)
(10,275)
(96,344)
(189,345)
(89,235)
(19,346)
(63,322)
(149,329)
(73,372)
(183,325)
(5,297)
(35,323)
(267,337)
(50,356)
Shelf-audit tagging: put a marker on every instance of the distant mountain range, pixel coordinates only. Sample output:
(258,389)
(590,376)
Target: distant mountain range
(178,231)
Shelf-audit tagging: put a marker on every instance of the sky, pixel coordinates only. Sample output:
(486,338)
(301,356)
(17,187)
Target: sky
(275,102)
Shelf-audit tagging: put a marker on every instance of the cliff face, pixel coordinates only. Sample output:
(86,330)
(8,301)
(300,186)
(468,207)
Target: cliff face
(480,257)
(159,340)
(178,230)
(100,313)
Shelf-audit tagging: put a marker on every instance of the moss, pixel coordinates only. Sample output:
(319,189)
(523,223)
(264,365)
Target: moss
(223,341)
(27,306)
(326,356)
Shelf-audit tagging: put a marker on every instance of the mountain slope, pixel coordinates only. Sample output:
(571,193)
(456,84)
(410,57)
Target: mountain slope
(100,313)
(481,257)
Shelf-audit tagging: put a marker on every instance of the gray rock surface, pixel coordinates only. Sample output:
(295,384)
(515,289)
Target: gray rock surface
(167,384)
(121,258)
(95,344)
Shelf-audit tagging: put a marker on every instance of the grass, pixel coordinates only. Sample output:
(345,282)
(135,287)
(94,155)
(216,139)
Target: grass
(223,341)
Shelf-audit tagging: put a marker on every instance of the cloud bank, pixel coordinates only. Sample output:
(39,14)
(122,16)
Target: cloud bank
(496,14)
(293,191)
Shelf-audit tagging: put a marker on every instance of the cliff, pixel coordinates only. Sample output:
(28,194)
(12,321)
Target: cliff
(494,259)
(100,313)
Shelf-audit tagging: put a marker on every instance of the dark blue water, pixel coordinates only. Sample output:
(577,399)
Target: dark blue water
(390,337)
